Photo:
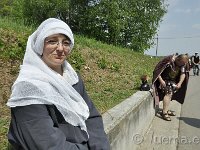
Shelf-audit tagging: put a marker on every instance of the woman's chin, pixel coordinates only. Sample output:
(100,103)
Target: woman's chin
(59,61)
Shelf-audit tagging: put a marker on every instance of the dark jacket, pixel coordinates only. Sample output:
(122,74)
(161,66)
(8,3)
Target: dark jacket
(144,86)
(42,127)
(159,69)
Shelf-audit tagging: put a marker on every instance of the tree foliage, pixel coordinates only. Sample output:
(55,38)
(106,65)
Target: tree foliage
(5,7)
(130,23)
(33,12)
(127,23)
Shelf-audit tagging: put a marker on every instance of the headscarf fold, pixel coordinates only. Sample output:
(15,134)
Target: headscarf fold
(39,84)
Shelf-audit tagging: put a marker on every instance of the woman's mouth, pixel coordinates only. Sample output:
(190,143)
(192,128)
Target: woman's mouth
(58,56)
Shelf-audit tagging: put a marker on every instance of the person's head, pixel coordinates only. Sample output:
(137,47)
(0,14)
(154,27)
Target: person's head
(196,53)
(53,41)
(144,78)
(181,60)
(56,49)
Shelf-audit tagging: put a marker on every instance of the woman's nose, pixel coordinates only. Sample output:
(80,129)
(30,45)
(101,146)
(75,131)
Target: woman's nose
(60,46)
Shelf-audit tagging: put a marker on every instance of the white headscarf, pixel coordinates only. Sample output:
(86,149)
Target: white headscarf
(39,84)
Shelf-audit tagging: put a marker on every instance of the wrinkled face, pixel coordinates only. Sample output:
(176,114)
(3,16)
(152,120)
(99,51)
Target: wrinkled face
(56,48)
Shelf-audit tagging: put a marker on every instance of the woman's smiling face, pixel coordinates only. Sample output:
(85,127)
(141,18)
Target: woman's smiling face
(56,49)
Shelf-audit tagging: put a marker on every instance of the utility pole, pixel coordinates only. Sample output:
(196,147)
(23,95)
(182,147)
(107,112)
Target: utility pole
(157,46)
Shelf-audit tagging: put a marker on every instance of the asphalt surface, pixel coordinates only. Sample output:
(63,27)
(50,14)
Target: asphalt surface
(189,128)
(183,132)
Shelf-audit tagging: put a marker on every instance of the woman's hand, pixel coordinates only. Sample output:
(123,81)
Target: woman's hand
(182,78)
(163,84)
(178,85)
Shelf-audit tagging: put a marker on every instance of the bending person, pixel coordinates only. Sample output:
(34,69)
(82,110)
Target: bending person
(170,78)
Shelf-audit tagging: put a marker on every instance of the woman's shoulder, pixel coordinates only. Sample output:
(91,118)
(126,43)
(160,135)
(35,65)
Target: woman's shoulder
(80,83)
(33,111)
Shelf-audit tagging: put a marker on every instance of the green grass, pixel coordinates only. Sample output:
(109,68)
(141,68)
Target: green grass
(4,123)
(16,25)
(111,74)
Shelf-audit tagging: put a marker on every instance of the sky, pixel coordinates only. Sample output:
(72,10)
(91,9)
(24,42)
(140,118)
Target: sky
(179,32)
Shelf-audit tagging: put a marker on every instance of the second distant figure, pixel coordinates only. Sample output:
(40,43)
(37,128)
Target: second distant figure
(195,63)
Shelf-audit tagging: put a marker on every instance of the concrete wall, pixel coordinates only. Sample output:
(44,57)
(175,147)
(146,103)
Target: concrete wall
(127,122)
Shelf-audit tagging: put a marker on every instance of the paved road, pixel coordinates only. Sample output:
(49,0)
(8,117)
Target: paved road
(189,127)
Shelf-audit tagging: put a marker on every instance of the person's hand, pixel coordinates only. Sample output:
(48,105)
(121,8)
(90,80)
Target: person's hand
(163,84)
(178,86)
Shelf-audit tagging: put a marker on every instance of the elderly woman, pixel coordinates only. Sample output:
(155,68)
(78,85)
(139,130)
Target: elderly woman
(170,78)
(50,108)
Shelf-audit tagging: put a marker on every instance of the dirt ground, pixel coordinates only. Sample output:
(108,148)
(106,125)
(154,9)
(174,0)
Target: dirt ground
(8,73)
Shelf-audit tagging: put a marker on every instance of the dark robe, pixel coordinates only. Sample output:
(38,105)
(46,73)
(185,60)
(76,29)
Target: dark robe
(42,127)
(158,94)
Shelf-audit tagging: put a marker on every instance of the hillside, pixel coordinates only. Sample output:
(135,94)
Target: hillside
(111,73)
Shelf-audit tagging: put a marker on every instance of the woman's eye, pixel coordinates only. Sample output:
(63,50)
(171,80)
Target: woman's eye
(52,42)
(66,43)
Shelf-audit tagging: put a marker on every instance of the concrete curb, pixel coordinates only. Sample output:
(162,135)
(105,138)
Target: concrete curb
(128,121)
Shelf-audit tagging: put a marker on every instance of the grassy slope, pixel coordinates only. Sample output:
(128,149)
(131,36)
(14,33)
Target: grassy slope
(111,74)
